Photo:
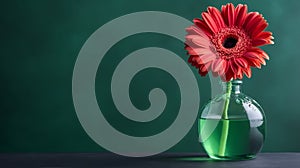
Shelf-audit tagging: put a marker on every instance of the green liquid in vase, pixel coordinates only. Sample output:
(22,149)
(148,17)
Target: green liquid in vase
(245,138)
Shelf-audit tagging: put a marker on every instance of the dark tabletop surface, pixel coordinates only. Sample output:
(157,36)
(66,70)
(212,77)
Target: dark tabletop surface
(172,160)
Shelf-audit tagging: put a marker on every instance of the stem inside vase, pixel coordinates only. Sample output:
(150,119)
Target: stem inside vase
(224,118)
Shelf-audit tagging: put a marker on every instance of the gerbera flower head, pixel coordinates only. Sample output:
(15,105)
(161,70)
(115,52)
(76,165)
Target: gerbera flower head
(226,42)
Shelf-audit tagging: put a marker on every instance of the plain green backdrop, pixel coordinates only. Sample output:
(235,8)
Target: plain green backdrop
(40,41)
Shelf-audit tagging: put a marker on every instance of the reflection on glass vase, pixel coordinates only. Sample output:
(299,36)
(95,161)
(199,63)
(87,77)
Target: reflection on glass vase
(232,125)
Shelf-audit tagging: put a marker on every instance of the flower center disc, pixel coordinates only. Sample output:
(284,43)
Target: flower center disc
(230,42)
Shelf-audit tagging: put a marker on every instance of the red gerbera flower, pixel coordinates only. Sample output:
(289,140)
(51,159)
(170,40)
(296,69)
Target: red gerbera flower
(226,42)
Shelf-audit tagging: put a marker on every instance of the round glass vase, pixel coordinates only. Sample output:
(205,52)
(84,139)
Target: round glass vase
(232,125)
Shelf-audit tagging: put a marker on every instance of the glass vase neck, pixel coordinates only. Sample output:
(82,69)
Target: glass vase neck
(234,86)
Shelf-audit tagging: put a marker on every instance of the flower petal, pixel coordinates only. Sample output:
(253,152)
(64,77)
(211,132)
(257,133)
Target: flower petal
(229,73)
(204,68)
(224,13)
(253,59)
(231,15)
(203,26)
(191,60)
(264,35)
(201,42)
(239,75)
(259,54)
(247,72)
(259,27)
(228,14)
(202,71)
(223,68)
(237,65)
(210,22)
(196,31)
(234,68)
(200,51)
(197,40)
(190,50)
(261,42)
(255,23)
(241,62)
(216,15)
(263,54)
(191,44)
(241,13)
(250,16)
(204,59)
(216,65)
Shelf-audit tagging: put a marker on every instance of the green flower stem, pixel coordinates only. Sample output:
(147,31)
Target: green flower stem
(225,121)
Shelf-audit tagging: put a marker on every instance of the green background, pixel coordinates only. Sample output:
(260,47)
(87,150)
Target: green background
(40,41)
